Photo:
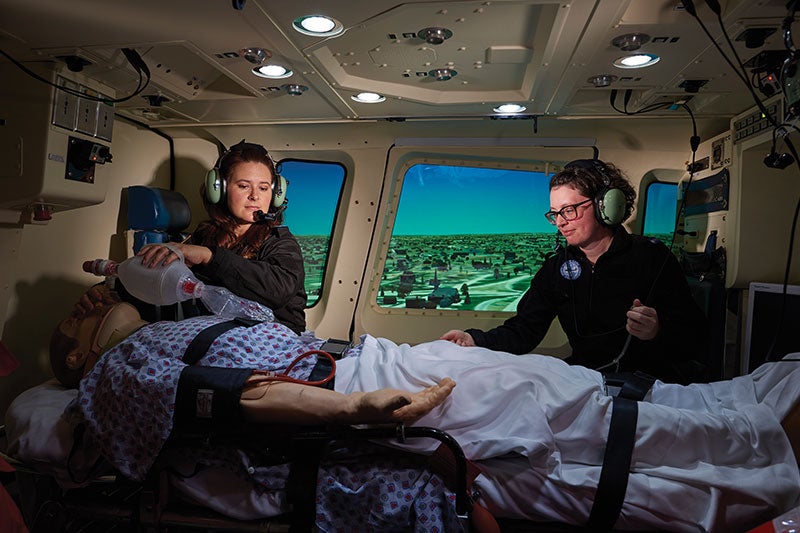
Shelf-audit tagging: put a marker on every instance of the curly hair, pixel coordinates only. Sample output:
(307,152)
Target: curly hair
(591,176)
(219,230)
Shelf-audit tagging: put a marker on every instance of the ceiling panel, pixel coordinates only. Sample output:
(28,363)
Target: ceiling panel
(538,53)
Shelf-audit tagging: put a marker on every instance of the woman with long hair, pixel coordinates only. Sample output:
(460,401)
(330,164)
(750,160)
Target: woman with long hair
(244,246)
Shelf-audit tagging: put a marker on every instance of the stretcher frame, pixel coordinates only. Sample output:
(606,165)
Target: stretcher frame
(151,504)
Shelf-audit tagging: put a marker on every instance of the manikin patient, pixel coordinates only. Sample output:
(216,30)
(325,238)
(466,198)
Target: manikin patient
(706,457)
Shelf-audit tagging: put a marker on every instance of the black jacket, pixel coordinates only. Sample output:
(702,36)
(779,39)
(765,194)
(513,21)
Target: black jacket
(591,309)
(275,278)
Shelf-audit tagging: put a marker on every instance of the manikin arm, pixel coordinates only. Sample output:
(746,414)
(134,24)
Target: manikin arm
(294,403)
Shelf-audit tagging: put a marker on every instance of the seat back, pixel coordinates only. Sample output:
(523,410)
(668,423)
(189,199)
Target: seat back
(156,215)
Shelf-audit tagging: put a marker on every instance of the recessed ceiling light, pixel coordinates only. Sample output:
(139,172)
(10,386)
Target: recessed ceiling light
(294,89)
(434,35)
(507,109)
(256,55)
(318,26)
(442,74)
(602,80)
(630,41)
(368,98)
(637,61)
(275,72)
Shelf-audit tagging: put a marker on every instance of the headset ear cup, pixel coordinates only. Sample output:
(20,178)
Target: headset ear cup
(215,186)
(610,207)
(279,193)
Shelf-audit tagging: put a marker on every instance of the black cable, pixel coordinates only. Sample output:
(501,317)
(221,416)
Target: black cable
(689,6)
(624,111)
(694,143)
(160,134)
(143,72)
(728,40)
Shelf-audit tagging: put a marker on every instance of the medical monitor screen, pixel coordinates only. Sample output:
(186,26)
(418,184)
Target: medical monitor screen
(763,314)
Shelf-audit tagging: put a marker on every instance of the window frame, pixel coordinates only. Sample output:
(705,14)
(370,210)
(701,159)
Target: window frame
(390,216)
(280,166)
(645,205)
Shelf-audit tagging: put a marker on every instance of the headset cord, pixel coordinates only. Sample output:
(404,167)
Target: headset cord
(694,143)
(615,362)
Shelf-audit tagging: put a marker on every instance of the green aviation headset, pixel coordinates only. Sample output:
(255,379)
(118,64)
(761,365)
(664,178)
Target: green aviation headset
(216,184)
(609,202)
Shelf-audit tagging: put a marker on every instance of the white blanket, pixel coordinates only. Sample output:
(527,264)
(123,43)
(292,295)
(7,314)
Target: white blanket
(709,457)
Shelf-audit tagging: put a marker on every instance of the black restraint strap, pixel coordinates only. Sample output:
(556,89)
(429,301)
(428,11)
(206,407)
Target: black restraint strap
(321,371)
(196,409)
(202,342)
(208,398)
(637,386)
(616,465)
(631,385)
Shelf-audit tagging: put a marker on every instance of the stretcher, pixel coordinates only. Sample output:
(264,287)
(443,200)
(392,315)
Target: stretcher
(61,486)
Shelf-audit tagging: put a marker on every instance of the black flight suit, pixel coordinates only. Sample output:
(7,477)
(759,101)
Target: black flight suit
(591,304)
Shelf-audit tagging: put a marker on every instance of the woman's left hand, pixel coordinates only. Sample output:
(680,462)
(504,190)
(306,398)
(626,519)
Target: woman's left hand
(154,255)
(642,321)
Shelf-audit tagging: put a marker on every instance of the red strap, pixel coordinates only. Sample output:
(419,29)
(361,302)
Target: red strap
(442,463)
(12,518)
(8,363)
(4,466)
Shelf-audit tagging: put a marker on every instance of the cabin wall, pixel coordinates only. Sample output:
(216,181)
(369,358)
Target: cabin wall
(763,211)
(42,277)
(42,263)
(422,325)
(642,148)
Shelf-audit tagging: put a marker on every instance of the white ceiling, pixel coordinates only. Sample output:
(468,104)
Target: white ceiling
(539,53)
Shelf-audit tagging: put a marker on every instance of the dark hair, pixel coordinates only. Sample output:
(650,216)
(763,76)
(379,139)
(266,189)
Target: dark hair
(219,230)
(590,177)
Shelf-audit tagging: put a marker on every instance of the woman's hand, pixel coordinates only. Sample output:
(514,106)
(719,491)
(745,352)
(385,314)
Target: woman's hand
(154,255)
(642,321)
(462,338)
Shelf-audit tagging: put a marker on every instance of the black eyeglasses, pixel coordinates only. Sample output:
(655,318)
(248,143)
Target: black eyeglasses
(568,212)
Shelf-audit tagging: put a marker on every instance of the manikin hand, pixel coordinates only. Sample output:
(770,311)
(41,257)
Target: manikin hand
(642,321)
(462,338)
(394,405)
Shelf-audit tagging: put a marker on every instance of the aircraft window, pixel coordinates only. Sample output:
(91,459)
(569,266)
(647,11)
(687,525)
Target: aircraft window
(661,202)
(313,195)
(466,238)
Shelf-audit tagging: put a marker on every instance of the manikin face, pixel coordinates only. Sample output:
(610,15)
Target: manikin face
(584,229)
(249,189)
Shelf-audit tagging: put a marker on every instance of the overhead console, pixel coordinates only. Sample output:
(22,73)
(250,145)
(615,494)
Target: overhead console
(742,198)
(52,142)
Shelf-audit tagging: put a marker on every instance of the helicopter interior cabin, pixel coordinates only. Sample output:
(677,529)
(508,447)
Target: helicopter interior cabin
(416,140)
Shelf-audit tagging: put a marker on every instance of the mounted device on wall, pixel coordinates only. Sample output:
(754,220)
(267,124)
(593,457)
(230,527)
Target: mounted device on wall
(55,143)
(609,202)
(790,74)
(82,156)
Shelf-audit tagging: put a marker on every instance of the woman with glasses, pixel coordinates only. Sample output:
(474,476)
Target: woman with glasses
(243,245)
(621,299)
